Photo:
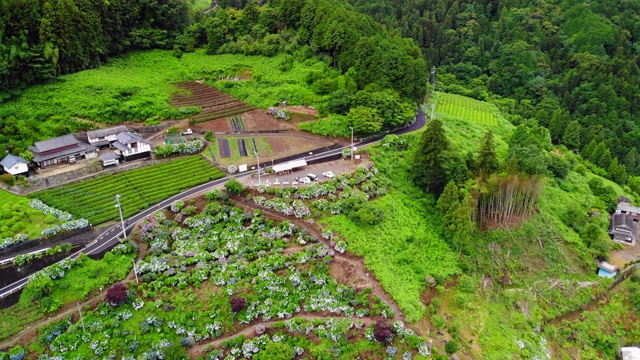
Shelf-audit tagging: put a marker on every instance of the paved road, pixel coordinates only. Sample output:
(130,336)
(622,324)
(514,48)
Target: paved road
(112,234)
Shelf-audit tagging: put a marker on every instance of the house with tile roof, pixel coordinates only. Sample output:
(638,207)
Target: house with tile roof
(105,137)
(62,149)
(132,146)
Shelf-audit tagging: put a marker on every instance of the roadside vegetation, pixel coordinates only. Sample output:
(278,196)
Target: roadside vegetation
(17,217)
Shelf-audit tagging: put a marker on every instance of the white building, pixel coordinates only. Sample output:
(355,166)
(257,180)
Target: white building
(15,165)
(104,137)
(132,147)
(109,159)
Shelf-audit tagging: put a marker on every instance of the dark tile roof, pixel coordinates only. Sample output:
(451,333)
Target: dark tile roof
(11,160)
(120,146)
(109,156)
(55,143)
(82,147)
(130,138)
(106,132)
(623,226)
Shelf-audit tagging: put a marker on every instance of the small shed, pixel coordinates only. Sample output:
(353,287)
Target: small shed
(623,228)
(15,165)
(289,166)
(607,270)
(109,159)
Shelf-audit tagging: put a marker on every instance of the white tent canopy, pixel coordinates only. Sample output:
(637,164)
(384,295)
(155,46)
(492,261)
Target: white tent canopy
(288,166)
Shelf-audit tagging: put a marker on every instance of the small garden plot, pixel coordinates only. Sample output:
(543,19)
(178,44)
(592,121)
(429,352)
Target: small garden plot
(236,123)
(200,95)
(242,147)
(223,148)
(289,145)
(467,108)
(260,120)
(214,270)
(140,188)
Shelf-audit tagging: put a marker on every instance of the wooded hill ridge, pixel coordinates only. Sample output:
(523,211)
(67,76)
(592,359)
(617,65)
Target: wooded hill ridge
(572,66)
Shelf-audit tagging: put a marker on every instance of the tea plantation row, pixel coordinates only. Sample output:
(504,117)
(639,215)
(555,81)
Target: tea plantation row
(95,199)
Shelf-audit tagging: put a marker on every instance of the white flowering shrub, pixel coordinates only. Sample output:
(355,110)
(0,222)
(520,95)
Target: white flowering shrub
(189,147)
(51,230)
(46,209)
(18,238)
(75,224)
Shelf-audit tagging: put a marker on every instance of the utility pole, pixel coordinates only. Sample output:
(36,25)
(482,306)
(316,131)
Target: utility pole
(351,127)
(258,160)
(135,271)
(81,320)
(124,231)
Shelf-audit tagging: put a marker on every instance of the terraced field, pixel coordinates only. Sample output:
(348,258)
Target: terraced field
(140,188)
(216,104)
(466,108)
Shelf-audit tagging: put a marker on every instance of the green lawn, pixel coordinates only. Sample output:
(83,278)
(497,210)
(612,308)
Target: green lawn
(17,217)
(140,188)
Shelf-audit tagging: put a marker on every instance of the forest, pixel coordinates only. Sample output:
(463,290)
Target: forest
(570,66)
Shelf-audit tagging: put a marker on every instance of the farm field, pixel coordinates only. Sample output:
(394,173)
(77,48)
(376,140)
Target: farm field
(17,217)
(227,150)
(281,286)
(251,120)
(140,188)
(466,108)
(18,317)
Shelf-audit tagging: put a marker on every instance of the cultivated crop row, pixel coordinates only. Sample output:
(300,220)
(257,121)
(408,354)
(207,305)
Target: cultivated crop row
(466,108)
(234,108)
(224,149)
(200,95)
(237,124)
(139,189)
(242,147)
(18,318)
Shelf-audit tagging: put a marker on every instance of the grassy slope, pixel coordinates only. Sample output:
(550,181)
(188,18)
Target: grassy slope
(138,86)
(17,217)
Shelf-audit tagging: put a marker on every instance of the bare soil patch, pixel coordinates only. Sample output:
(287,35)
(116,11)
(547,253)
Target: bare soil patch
(218,125)
(347,272)
(295,144)
(260,120)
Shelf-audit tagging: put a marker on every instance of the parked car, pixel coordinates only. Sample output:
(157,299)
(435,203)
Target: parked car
(304,180)
(328,174)
(187,132)
(312,177)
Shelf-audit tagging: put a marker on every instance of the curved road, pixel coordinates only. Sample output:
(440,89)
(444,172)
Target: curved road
(111,236)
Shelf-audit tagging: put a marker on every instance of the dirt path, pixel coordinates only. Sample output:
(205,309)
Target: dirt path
(357,263)
(199,349)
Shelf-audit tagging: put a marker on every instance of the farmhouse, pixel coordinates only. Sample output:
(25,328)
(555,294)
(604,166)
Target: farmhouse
(104,137)
(63,149)
(109,159)
(15,165)
(607,270)
(132,147)
(624,222)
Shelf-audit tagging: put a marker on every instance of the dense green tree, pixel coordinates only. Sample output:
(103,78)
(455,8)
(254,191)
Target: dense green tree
(460,223)
(449,198)
(587,151)
(487,161)
(632,161)
(428,171)
(617,172)
(364,120)
(558,124)
(571,136)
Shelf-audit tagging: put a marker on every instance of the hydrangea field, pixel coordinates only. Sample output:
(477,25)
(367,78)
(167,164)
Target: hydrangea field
(213,270)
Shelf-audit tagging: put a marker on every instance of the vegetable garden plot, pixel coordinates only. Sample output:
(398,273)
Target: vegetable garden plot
(466,108)
(223,148)
(236,123)
(140,188)
(17,318)
(242,147)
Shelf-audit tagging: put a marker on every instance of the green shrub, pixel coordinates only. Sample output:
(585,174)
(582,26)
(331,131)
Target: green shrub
(234,187)
(8,179)
(451,347)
